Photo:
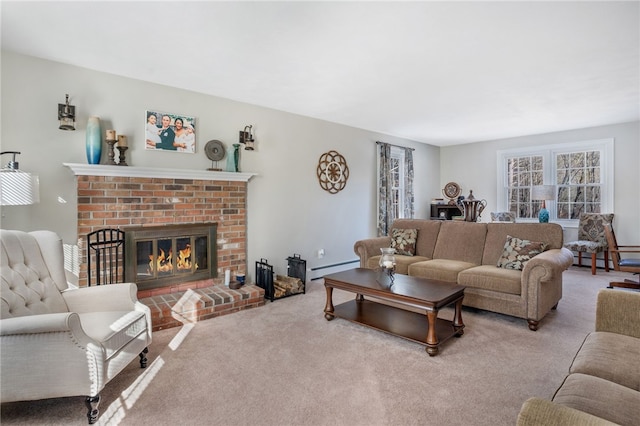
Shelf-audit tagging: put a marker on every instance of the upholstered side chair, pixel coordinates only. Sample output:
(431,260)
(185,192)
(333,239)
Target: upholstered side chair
(627,264)
(59,341)
(591,238)
(503,217)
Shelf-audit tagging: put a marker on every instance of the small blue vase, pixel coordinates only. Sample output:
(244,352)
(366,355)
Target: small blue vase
(94,140)
(543,216)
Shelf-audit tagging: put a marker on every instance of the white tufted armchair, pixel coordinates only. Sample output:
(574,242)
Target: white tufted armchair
(58,341)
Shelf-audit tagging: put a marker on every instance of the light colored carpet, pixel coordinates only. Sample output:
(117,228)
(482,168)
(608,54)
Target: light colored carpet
(284,364)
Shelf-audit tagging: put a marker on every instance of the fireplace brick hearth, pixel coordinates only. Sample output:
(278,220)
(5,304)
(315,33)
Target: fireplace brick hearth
(201,303)
(118,197)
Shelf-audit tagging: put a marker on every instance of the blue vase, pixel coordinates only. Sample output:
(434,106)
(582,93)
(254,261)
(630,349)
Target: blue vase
(236,156)
(543,216)
(94,140)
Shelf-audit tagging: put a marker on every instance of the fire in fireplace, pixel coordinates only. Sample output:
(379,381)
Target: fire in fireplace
(163,255)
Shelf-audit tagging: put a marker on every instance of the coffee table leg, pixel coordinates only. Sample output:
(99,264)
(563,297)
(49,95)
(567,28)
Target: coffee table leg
(458,325)
(328,308)
(432,338)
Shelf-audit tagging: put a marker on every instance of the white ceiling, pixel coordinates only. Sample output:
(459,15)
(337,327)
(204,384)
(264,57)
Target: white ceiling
(437,72)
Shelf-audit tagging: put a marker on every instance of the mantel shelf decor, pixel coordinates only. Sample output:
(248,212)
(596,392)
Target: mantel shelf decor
(150,172)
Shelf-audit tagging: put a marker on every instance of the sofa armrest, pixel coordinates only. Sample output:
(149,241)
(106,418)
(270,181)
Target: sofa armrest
(102,298)
(547,265)
(618,311)
(370,247)
(538,412)
(45,323)
(109,297)
(39,350)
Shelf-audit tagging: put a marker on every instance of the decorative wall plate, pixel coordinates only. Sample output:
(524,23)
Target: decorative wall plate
(451,191)
(332,172)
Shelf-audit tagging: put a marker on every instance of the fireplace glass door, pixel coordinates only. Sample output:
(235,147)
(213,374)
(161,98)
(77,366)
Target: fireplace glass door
(170,254)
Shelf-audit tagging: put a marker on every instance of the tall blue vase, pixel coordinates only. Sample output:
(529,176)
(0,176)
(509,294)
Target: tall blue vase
(236,156)
(94,140)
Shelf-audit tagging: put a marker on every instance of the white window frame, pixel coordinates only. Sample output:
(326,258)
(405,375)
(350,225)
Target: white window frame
(549,152)
(399,155)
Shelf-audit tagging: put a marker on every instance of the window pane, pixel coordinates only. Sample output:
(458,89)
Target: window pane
(577,176)
(577,159)
(562,161)
(593,158)
(562,177)
(563,194)
(537,178)
(563,211)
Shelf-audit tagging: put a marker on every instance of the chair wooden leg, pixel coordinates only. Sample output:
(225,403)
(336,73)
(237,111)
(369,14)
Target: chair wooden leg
(593,263)
(143,358)
(606,260)
(92,404)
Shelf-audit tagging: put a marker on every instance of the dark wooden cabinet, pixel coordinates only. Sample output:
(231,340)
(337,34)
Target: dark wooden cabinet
(444,211)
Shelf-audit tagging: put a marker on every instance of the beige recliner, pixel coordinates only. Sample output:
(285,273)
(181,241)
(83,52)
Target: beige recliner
(58,341)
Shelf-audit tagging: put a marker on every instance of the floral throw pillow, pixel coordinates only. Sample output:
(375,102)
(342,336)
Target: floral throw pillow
(517,252)
(404,241)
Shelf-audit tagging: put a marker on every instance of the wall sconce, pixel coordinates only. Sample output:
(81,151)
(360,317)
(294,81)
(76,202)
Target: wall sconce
(67,116)
(246,138)
(17,188)
(543,193)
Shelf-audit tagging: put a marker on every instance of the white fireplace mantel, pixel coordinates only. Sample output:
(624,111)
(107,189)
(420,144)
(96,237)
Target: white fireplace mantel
(150,172)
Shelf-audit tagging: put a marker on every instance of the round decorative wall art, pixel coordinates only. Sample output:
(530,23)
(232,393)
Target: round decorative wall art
(332,172)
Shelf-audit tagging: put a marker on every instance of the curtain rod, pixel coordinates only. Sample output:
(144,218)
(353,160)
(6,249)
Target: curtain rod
(398,146)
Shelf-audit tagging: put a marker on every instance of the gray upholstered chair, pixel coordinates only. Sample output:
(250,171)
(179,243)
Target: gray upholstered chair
(503,217)
(591,238)
(59,341)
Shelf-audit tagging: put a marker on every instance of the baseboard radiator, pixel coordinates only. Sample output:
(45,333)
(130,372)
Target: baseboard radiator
(320,271)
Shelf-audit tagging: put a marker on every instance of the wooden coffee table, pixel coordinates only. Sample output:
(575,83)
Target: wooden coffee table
(424,294)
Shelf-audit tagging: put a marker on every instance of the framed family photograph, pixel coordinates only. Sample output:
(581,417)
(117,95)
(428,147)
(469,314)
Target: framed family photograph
(170,132)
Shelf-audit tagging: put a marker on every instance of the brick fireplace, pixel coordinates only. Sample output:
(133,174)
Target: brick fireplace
(134,197)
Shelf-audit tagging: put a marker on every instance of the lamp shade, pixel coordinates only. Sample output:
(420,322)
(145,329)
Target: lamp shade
(543,192)
(18,188)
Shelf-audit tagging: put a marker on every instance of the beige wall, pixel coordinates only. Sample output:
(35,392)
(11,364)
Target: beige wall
(288,212)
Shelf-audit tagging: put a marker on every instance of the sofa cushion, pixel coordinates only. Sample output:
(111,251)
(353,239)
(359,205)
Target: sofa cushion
(549,233)
(610,356)
(517,252)
(600,397)
(427,234)
(402,262)
(113,329)
(439,269)
(462,241)
(488,277)
(404,241)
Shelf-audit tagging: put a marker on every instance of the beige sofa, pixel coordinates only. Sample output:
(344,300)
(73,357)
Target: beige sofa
(467,253)
(603,384)
(59,341)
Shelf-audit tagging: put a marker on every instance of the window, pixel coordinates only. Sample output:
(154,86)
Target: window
(395,185)
(579,183)
(582,173)
(397,182)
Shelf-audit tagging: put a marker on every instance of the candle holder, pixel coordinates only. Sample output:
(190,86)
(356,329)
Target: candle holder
(123,150)
(111,153)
